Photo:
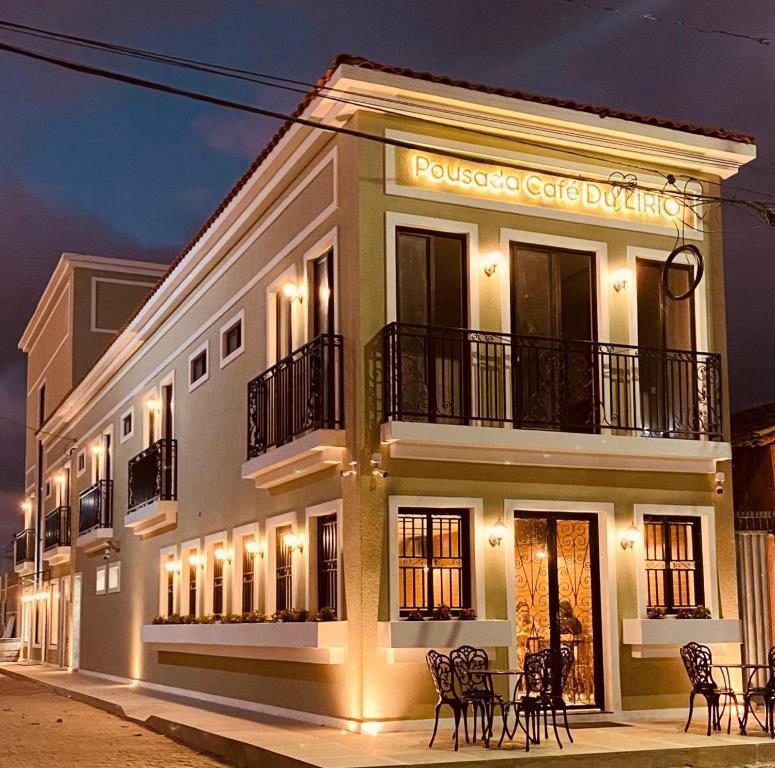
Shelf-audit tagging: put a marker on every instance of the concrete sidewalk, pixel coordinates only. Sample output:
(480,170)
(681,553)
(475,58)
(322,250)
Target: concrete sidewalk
(247,739)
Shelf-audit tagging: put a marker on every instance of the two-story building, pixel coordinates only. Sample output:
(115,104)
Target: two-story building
(425,375)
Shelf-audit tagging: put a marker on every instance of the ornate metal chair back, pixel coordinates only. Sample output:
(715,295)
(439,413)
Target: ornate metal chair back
(697,660)
(536,677)
(559,663)
(769,688)
(469,662)
(443,675)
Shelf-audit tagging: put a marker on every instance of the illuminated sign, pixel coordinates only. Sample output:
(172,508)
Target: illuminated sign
(540,189)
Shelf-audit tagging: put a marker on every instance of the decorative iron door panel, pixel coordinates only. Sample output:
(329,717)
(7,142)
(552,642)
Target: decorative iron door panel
(557,594)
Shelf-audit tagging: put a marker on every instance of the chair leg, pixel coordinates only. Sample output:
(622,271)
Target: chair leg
(504,717)
(691,710)
(711,713)
(746,708)
(456,712)
(465,722)
(554,725)
(565,718)
(435,724)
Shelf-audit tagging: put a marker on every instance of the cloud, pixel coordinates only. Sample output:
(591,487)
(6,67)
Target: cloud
(242,136)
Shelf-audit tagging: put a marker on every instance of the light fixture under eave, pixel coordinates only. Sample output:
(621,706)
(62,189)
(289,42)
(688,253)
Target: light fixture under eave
(620,279)
(497,533)
(491,262)
(630,537)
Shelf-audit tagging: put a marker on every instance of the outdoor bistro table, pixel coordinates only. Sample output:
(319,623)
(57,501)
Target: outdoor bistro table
(752,670)
(492,674)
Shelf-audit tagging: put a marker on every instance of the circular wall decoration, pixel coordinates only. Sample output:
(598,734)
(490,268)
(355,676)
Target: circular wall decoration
(693,252)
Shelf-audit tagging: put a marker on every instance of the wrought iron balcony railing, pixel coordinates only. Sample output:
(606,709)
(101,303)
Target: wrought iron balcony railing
(57,529)
(153,474)
(300,393)
(755,521)
(95,507)
(459,376)
(24,546)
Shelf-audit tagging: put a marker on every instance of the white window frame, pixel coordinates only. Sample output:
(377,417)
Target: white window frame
(395,220)
(187,549)
(80,455)
(271,526)
(114,566)
(211,543)
(332,507)
(227,326)
(707,518)
(101,572)
(130,412)
(196,352)
(477,539)
(165,553)
(607,548)
(238,537)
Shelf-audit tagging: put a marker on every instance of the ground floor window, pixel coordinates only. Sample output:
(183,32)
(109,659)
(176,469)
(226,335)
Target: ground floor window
(434,562)
(248,574)
(218,569)
(673,554)
(283,568)
(328,561)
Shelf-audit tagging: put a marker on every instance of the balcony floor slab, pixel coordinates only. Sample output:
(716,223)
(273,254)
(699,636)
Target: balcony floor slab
(94,539)
(531,447)
(151,517)
(56,555)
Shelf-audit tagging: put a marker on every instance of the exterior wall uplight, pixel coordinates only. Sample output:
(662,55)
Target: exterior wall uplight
(222,555)
(498,533)
(630,537)
(491,262)
(291,291)
(294,542)
(620,279)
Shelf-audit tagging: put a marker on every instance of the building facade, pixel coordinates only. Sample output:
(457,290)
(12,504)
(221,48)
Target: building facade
(419,379)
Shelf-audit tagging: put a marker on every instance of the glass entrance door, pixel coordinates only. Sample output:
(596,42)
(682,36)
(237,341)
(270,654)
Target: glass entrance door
(557,593)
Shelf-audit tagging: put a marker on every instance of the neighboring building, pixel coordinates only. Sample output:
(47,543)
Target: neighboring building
(753,467)
(383,377)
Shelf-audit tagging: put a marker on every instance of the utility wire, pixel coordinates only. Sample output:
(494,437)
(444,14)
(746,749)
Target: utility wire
(36,430)
(654,17)
(323,91)
(766,212)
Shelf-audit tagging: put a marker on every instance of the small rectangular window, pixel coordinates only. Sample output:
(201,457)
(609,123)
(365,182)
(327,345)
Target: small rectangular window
(114,577)
(232,339)
(197,368)
(434,563)
(127,426)
(673,555)
(80,466)
(101,579)
(48,489)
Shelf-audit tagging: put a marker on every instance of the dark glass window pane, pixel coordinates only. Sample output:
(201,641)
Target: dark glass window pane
(232,339)
(323,296)
(448,283)
(283,569)
(327,562)
(199,366)
(412,263)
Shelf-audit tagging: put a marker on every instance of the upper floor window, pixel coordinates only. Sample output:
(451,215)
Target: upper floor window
(127,424)
(434,562)
(232,338)
(673,554)
(323,294)
(80,463)
(197,367)
(41,405)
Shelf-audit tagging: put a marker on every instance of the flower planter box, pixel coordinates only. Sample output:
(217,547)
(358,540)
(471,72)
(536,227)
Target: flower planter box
(410,640)
(663,637)
(322,642)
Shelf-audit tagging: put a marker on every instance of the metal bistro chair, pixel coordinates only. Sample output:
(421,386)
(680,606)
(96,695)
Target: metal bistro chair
(767,694)
(545,676)
(476,689)
(443,675)
(698,661)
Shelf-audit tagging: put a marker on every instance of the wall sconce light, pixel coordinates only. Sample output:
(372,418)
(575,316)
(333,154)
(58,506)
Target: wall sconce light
(351,471)
(97,450)
(491,262)
(620,279)
(497,533)
(376,470)
(59,479)
(196,561)
(26,505)
(252,546)
(542,554)
(172,566)
(153,404)
(630,537)
(222,555)
(294,542)
(291,291)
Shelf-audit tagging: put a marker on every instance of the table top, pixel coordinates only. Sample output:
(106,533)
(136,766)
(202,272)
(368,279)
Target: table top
(741,666)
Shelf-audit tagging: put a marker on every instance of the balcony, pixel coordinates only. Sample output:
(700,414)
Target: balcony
(24,552)
(754,521)
(479,396)
(56,536)
(153,488)
(95,515)
(296,415)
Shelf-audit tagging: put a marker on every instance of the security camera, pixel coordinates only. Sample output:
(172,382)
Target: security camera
(376,470)
(719,478)
(106,554)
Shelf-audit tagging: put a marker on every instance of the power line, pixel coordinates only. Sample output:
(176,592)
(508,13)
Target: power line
(36,430)
(766,212)
(324,91)
(654,17)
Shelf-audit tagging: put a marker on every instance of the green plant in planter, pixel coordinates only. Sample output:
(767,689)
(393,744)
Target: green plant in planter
(415,615)
(254,617)
(698,612)
(656,613)
(326,614)
(206,619)
(441,613)
(466,614)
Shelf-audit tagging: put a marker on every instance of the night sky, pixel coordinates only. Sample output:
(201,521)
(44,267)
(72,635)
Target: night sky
(102,168)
